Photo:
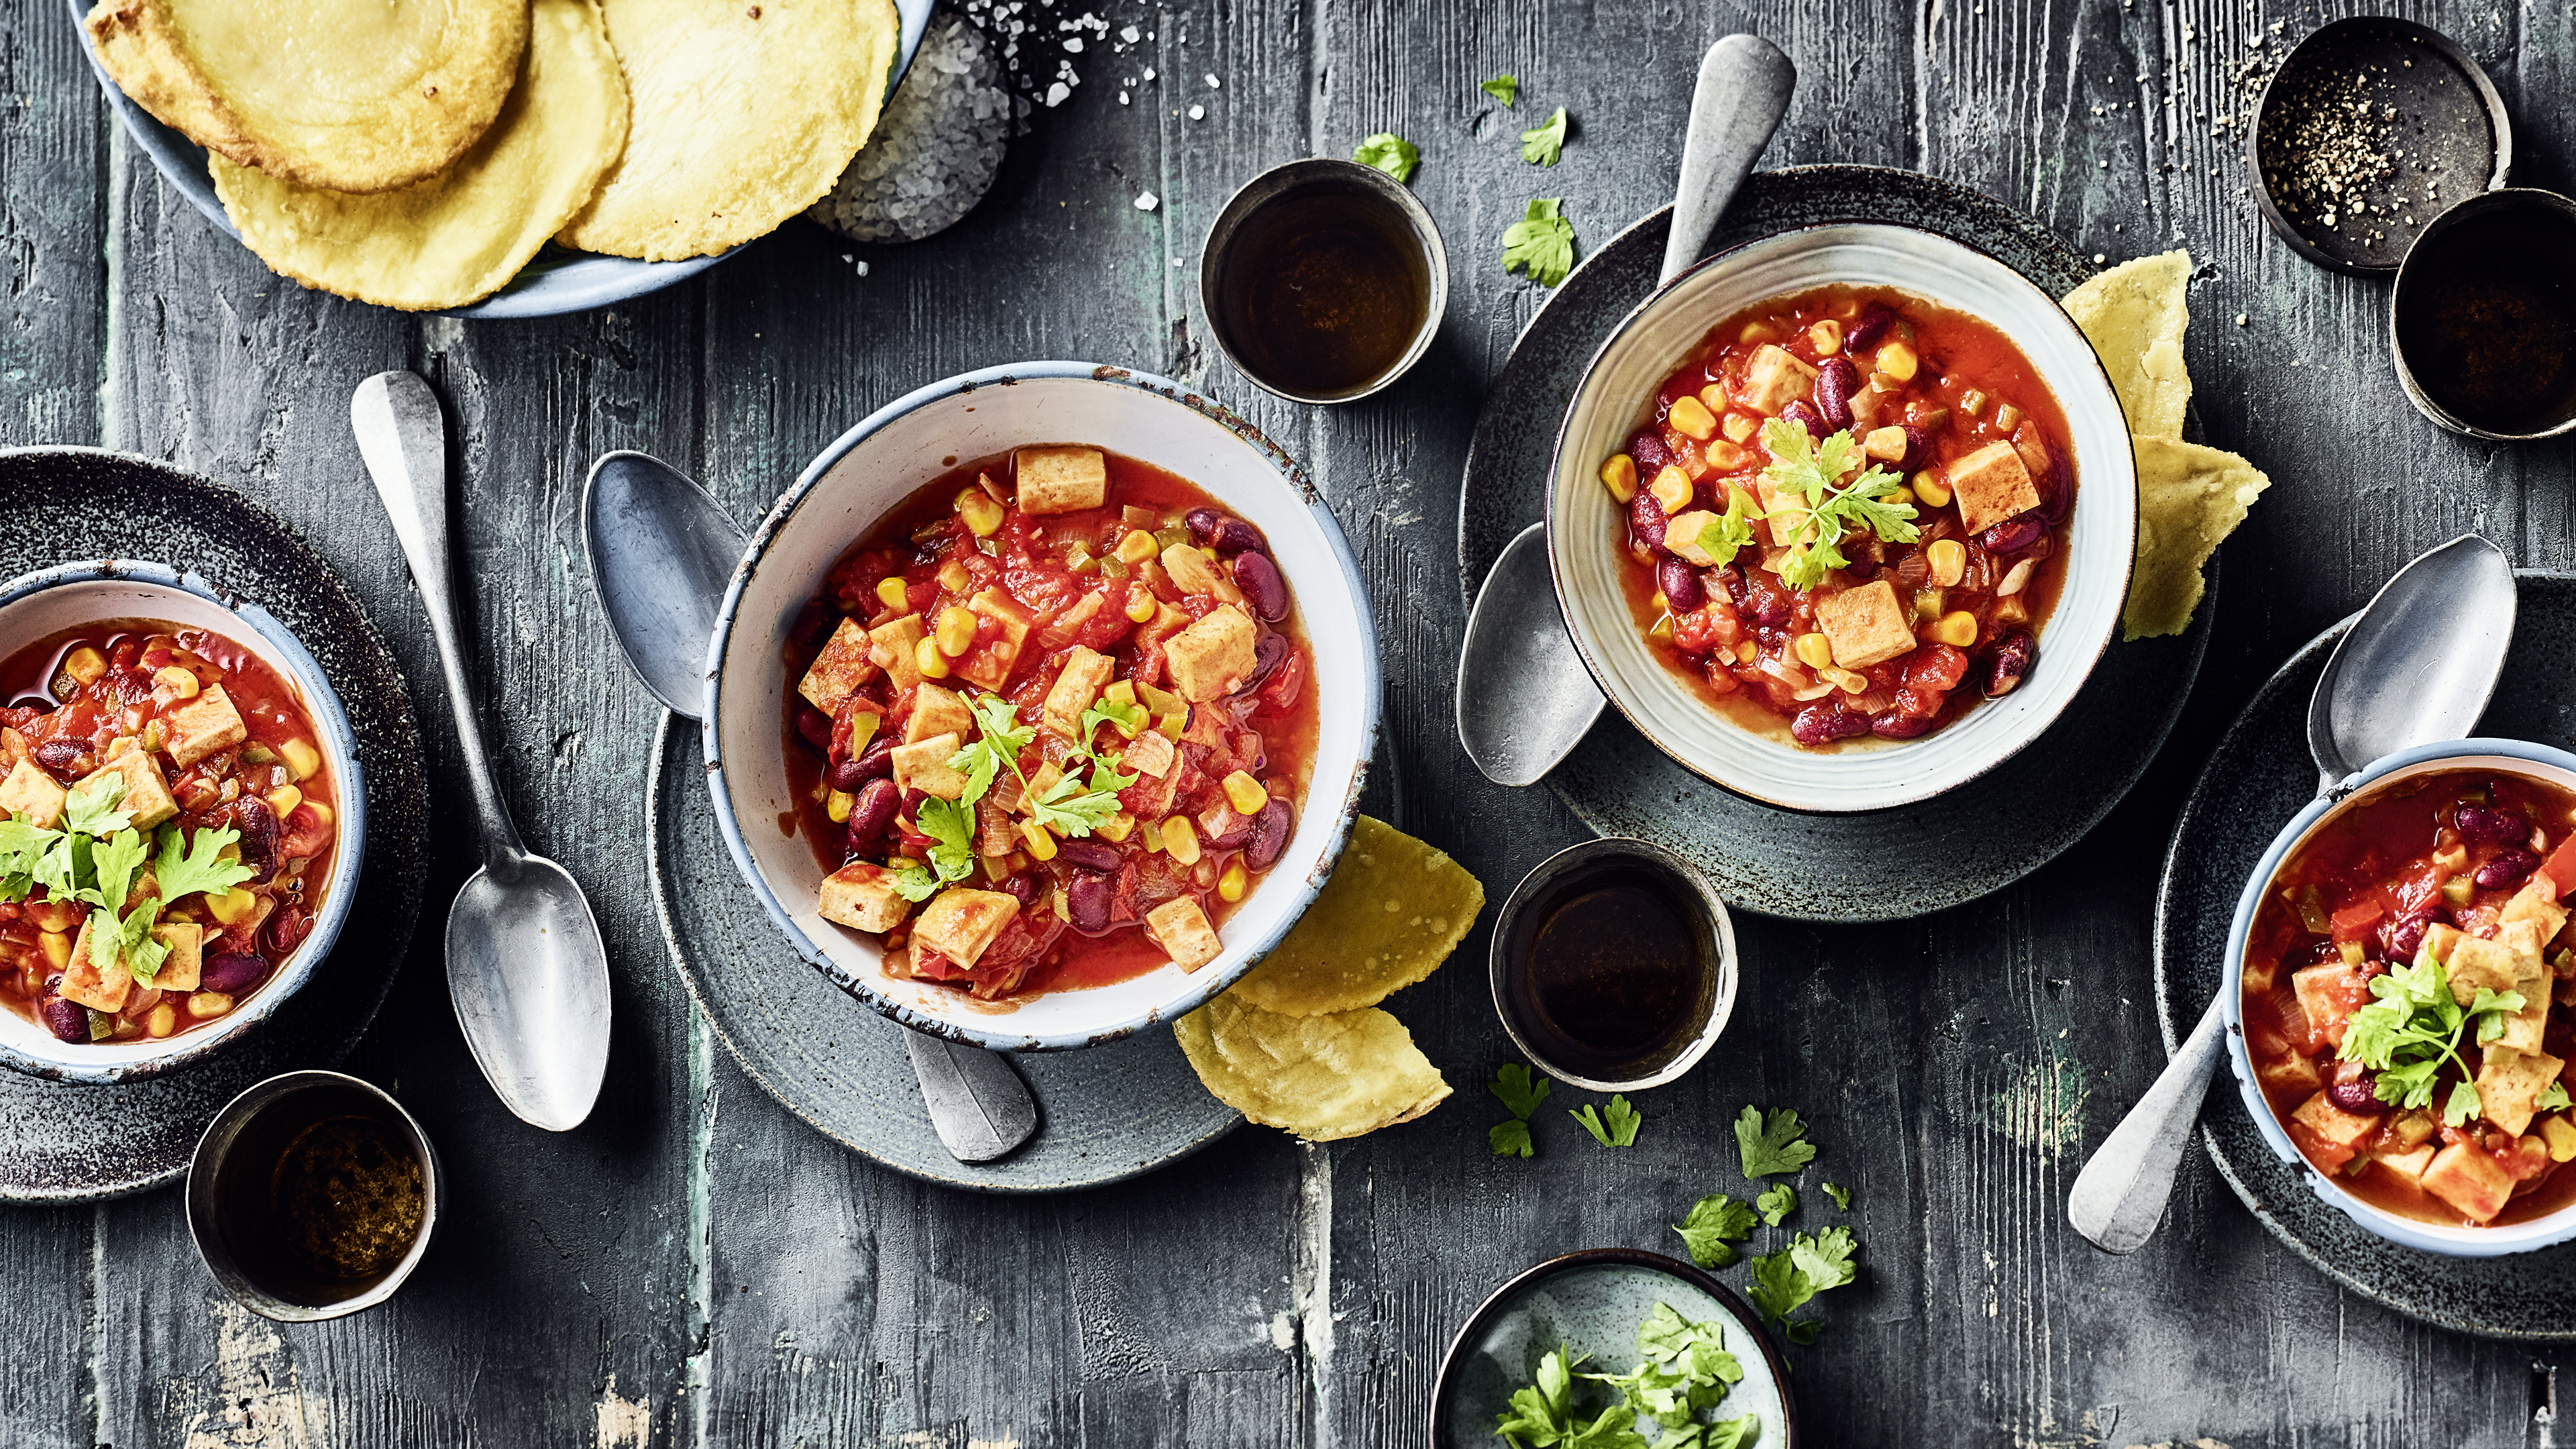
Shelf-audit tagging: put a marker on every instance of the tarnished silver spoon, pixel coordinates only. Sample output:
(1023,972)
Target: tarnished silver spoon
(661,550)
(2417,667)
(1525,699)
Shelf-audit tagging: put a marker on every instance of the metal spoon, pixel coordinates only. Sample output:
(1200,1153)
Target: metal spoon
(2417,667)
(661,550)
(1525,699)
(525,964)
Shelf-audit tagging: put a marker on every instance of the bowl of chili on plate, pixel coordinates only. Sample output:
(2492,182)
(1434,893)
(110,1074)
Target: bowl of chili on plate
(2400,997)
(1039,708)
(180,805)
(1842,518)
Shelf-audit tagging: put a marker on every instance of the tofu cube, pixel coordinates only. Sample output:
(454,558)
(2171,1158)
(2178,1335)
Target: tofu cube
(1182,930)
(989,665)
(203,726)
(894,647)
(839,670)
(861,896)
(2296,1072)
(147,792)
(2407,1162)
(85,983)
(2476,962)
(1885,445)
(1211,658)
(960,923)
(2523,1029)
(1784,514)
(1774,379)
(1061,480)
(2469,1180)
(1866,625)
(936,711)
(1150,754)
(30,792)
(2535,905)
(2510,1083)
(1991,485)
(181,969)
(2333,1134)
(1086,672)
(923,765)
(2329,993)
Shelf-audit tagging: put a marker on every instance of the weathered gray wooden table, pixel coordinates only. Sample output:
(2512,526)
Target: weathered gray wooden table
(696,1267)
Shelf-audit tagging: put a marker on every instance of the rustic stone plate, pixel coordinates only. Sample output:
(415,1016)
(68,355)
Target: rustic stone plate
(1104,1113)
(69,1143)
(2258,778)
(1884,865)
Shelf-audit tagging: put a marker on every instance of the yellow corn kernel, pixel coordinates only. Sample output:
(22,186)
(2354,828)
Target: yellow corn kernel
(1958,628)
(203,1004)
(1714,397)
(954,577)
(1137,546)
(52,915)
(1140,604)
(1658,603)
(174,681)
(2560,1134)
(1181,839)
(1619,475)
(2007,418)
(927,658)
(1041,845)
(1949,560)
(283,800)
(2012,611)
(1828,337)
(837,805)
(1723,456)
(230,907)
(1672,489)
(1896,360)
(1245,793)
(159,1023)
(1901,494)
(863,730)
(1740,427)
(1756,333)
(1230,886)
(1973,402)
(1931,488)
(302,760)
(890,592)
(58,949)
(955,631)
(1116,828)
(1173,725)
(983,516)
(1747,652)
(1815,650)
(1661,631)
(1691,418)
(85,664)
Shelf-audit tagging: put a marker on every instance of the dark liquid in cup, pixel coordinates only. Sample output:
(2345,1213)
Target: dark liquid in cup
(2489,330)
(1323,291)
(1615,974)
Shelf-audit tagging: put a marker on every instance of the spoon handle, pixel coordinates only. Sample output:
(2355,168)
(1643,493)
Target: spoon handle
(2120,1195)
(403,437)
(1743,91)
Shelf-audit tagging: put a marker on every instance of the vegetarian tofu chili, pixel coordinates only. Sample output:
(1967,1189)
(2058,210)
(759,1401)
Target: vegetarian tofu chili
(2410,998)
(1056,696)
(165,831)
(1845,511)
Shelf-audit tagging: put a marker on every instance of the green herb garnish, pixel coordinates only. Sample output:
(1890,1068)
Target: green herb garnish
(1511,1138)
(1729,533)
(98,858)
(1389,153)
(1772,1143)
(1541,243)
(1715,1225)
(1835,510)
(951,824)
(1128,718)
(1072,806)
(1504,88)
(1840,1195)
(1775,1203)
(1811,1264)
(1542,1414)
(2413,1029)
(1519,1088)
(1683,1368)
(1543,143)
(1612,1126)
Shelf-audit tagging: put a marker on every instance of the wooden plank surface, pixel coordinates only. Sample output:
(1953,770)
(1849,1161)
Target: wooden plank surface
(694,1267)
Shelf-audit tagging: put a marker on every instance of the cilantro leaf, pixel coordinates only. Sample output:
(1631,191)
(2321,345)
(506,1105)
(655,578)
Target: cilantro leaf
(1071,806)
(997,746)
(1716,1223)
(198,869)
(2464,1104)
(1511,1138)
(1389,153)
(951,824)
(1540,1412)
(90,808)
(916,883)
(1776,1202)
(1541,243)
(1611,1126)
(1782,1282)
(1841,1196)
(23,847)
(1777,1287)
(2411,1031)
(1834,510)
(114,863)
(1729,533)
(1825,1258)
(1738,1433)
(1127,717)
(1543,143)
(1772,1144)
(1519,1088)
(2554,1096)
(1504,88)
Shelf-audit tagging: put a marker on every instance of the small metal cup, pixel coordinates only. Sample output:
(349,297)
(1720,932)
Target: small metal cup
(2534,212)
(229,1197)
(1516,929)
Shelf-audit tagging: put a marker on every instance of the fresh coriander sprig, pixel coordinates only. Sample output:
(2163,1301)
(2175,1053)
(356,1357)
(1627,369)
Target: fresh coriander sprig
(2412,1030)
(1729,533)
(1715,1225)
(1521,1090)
(1834,510)
(1772,1143)
(1811,1264)
(1612,1126)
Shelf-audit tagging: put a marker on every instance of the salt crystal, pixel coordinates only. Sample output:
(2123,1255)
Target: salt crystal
(1056,93)
(1148,201)
(2099,258)
(1073,43)
(1122,98)
(1129,35)
(2240,319)
(863,269)
(1149,72)
(1198,113)
(1212,82)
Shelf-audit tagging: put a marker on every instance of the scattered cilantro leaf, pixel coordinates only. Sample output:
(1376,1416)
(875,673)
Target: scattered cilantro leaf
(1834,510)
(1519,1088)
(1541,243)
(1543,143)
(2554,1096)
(1813,1263)
(1073,806)
(2412,1030)
(1737,1433)
(1716,1223)
(1777,1288)
(1511,1138)
(951,824)
(1825,1258)
(90,808)
(1683,1368)
(1389,153)
(995,748)
(23,847)
(1128,717)
(1612,1126)
(1772,1143)
(1775,1203)
(1728,533)
(197,869)
(1840,1194)
(1504,88)
(1540,1412)
(114,864)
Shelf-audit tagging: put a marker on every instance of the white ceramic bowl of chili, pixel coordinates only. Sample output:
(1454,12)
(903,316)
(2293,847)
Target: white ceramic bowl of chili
(877,465)
(1587,527)
(2540,763)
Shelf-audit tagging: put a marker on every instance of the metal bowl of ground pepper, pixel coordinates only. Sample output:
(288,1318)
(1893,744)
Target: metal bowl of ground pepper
(2372,127)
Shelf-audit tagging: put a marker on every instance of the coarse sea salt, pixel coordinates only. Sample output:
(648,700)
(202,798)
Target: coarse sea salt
(1148,201)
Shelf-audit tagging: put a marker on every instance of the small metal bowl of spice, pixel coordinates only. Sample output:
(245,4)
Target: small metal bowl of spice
(312,1196)
(2483,319)
(2370,128)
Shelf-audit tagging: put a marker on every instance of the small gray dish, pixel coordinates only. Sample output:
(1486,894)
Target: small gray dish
(1591,1303)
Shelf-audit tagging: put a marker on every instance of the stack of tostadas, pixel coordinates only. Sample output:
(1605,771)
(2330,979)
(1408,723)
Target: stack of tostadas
(418,153)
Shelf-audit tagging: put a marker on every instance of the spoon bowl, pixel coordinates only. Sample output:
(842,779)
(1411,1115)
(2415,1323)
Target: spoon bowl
(521,945)
(660,550)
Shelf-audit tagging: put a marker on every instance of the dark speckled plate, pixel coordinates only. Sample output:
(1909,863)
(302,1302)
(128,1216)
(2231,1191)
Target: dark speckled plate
(2258,778)
(68,1143)
(1104,1113)
(1988,834)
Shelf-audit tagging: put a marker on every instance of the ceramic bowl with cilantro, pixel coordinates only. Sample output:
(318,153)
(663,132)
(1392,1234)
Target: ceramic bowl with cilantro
(2402,997)
(176,807)
(1844,517)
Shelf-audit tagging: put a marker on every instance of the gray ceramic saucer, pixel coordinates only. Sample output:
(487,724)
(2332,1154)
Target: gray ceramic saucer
(1105,1113)
(70,1143)
(1872,867)
(1591,1303)
(2260,776)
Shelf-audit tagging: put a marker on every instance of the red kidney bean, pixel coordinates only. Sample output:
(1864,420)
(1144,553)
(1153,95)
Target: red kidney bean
(66,1019)
(1836,381)
(875,762)
(1805,416)
(1022,888)
(286,930)
(2491,824)
(233,972)
(1863,569)
(1202,523)
(815,727)
(1733,580)
(1681,585)
(258,827)
(1646,520)
(1271,827)
(1766,601)
(1869,327)
(2507,870)
(1897,724)
(845,776)
(1088,854)
(1826,721)
(1237,831)
(1918,448)
(1266,656)
(1649,451)
(2010,663)
(871,811)
(1262,587)
(2401,939)
(64,757)
(2357,1095)
(2056,491)
(2012,535)
(1086,901)
(1234,536)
